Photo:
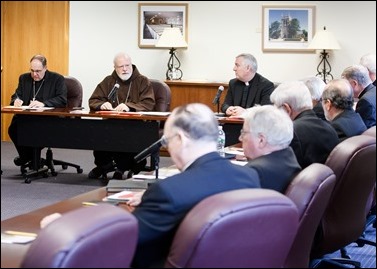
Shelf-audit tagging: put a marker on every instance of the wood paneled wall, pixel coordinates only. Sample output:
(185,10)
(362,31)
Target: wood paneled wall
(29,28)
(185,92)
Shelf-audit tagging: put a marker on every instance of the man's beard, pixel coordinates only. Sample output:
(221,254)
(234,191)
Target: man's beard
(125,77)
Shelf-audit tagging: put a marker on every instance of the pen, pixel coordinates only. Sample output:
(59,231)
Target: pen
(88,203)
(20,233)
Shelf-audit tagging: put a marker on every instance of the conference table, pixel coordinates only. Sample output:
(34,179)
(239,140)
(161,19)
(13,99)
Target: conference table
(13,254)
(95,130)
(98,130)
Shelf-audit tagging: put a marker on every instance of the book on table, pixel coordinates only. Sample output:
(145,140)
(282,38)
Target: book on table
(120,197)
(115,185)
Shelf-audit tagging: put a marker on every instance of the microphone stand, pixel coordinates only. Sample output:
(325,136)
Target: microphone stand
(156,160)
(218,114)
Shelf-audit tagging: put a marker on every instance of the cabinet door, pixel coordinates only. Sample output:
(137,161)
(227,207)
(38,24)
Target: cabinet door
(29,28)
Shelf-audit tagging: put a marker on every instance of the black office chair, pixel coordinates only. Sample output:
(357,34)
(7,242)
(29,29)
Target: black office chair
(74,99)
(162,96)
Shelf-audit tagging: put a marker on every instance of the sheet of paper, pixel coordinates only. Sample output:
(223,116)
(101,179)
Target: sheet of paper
(154,113)
(29,108)
(17,237)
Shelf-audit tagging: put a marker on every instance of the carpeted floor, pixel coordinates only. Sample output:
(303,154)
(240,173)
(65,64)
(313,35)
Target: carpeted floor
(18,197)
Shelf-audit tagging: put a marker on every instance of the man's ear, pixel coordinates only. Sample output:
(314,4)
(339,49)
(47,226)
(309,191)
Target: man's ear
(287,108)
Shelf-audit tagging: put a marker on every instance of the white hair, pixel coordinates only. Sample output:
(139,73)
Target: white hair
(293,93)
(315,86)
(273,123)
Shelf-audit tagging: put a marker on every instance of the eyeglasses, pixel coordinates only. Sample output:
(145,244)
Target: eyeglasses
(243,132)
(165,140)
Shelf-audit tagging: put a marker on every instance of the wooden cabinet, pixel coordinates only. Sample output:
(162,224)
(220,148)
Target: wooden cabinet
(185,92)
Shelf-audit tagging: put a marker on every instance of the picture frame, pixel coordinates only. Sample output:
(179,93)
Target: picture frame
(154,17)
(287,28)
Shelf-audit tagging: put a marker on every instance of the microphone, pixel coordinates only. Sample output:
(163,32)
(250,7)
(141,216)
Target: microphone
(148,151)
(217,97)
(113,91)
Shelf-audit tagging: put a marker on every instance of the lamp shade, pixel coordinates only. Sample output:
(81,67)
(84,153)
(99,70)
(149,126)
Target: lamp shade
(324,40)
(171,38)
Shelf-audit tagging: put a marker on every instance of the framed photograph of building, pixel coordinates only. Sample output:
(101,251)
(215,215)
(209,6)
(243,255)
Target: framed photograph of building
(154,17)
(287,28)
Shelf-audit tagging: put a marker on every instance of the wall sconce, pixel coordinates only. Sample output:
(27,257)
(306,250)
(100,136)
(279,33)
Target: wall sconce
(324,40)
(173,39)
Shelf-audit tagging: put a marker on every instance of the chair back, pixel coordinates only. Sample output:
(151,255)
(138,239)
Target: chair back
(102,236)
(370,131)
(241,228)
(74,92)
(353,162)
(162,95)
(310,190)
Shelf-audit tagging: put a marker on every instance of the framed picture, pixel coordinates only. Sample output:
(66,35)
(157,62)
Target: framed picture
(153,18)
(287,28)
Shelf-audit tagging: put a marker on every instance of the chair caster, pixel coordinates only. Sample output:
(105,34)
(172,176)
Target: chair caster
(79,171)
(64,166)
(27,180)
(54,174)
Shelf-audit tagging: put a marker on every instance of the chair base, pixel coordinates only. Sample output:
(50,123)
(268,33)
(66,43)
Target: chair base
(41,167)
(334,263)
(50,162)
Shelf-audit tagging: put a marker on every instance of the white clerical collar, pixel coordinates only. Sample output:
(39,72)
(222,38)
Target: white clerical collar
(247,83)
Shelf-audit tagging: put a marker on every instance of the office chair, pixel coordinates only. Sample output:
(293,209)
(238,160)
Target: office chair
(353,162)
(102,236)
(74,99)
(370,210)
(310,190)
(162,95)
(246,228)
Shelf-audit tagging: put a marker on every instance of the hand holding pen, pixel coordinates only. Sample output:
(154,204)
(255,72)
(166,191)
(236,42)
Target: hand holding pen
(18,102)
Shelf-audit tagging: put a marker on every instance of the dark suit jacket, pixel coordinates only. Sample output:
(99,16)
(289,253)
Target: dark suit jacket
(260,90)
(366,106)
(166,203)
(277,169)
(348,123)
(54,90)
(313,138)
(318,110)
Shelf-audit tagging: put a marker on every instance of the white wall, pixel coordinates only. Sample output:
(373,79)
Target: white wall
(217,32)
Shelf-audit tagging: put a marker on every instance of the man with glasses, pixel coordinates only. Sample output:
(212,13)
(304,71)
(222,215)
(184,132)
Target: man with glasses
(124,90)
(265,136)
(190,135)
(37,88)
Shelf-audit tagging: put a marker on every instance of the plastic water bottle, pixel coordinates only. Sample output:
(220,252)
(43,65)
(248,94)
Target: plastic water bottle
(221,142)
